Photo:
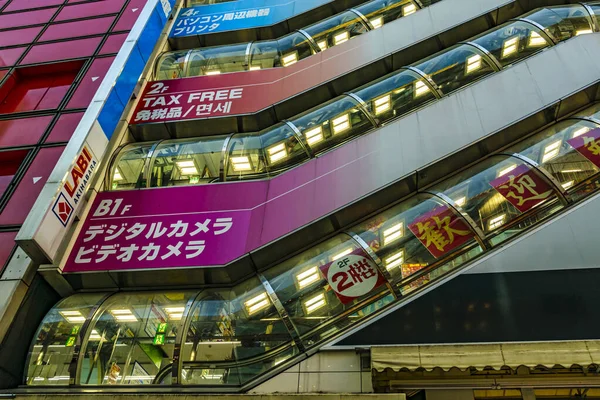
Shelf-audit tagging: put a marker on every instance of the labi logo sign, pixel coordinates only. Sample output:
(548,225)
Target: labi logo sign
(62,209)
(74,187)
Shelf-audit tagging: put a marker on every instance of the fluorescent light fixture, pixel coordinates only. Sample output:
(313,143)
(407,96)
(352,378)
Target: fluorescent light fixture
(207,375)
(581,131)
(255,67)
(551,150)
(567,171)
(123,315)
(583,32)
(187,167)
(73,317)
(409,9)
(140,377)
(121,312)
(496,222)
(341,254)
(393,233)
(567,185)
(314,135)
(95,335)
(59,378)
(510,46)
(38,379)
(189,171)
(322,44)
(382,104)
(307,277)
(506,170)
(473,63)
(241,163)
(214,72)
(341,124)
(315,303)
(420,88)
(290,59)
(536,40)
(376,22)
(117,176)
(70,313)
(460,201)
(257,303)
(185,163)
(175,313)
(394,260)
(277,152)
(341,38)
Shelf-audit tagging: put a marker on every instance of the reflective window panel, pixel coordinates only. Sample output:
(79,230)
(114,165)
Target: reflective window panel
(131,340)
(194,161)
(233,336)
(56,339)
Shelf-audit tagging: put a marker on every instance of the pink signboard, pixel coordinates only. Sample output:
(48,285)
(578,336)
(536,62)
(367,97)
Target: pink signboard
(193,98)
(157,229)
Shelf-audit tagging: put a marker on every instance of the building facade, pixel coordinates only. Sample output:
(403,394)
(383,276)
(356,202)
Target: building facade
(389,198)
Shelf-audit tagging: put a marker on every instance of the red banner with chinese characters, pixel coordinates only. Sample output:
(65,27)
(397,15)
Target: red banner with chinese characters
(352,276)
(523,188)
(441,230)
(588,145)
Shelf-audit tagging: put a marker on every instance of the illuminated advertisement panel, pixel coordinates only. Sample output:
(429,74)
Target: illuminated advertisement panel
(237,15)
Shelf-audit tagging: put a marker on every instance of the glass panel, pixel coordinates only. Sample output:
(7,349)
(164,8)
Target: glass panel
(264,55)
(332,123)
(503,195)
(171,65)
(283,149)
(127,172)
(306,295)
(405,253)
(187,162)
(590,112)
(512,41)
(52,349)
(228,331)
(292,48)
(562,22)
(217,60)
(595,6)
(395,95)
(132,340)
(550,149)
(380,12)
(246,158)
(336,30)
(456,67)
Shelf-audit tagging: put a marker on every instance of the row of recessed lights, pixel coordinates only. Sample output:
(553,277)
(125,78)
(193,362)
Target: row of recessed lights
(339,38)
